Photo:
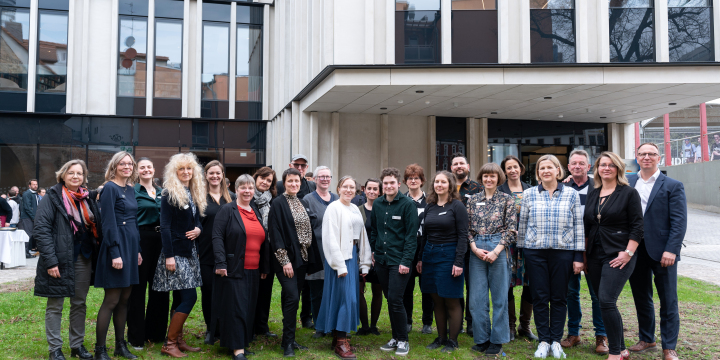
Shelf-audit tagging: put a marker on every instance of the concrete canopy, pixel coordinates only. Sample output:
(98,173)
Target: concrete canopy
(588,93)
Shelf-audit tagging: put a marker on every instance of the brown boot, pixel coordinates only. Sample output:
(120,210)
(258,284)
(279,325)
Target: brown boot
(526,309)
(171,347)
(570,341)
(670,354)
(182,345)
(511,316)
(342,349)
(601,345)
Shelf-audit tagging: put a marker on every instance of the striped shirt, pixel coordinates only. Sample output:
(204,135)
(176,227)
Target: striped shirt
(582,190)
(551,221)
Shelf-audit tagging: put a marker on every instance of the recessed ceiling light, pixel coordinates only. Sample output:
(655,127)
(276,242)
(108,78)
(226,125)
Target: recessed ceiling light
(455,104)
(560,116)
(548,98)
(419,91)
(634,111)
(603,117)
(400,101)
(427,102)
(672,104)
(493,113)
(613,110)
(383,108)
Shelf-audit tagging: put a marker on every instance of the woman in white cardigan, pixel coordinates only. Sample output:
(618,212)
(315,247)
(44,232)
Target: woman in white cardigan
(347,253)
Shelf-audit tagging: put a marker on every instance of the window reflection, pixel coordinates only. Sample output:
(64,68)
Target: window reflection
(52,52)
(132,63)
(410,5)
(417,37)
(168,58)
(690,30)
(474,31)
(632,33)
(552,31)
(216,41)
(14,37)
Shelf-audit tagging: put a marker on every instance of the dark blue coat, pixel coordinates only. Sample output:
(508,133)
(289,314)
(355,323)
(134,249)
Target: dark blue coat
(665,219)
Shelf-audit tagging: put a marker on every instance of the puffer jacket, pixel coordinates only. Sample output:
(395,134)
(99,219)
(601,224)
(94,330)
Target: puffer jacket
(56,244)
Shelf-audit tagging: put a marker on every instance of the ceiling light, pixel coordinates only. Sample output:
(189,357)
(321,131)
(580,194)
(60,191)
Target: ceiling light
(548,98)
(419,91)
(603,117)
(455,104)
(493,113)
(613,110)
(400,101)
(588,110)
(671,104)
(383,108)
(560,116)
(427,102)
(634,111)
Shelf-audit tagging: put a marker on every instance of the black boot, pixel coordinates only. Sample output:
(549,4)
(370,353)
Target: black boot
(101,353)
(57,355)
(239,357)
(289,351)
(209,339)
(122,350)
(81,353)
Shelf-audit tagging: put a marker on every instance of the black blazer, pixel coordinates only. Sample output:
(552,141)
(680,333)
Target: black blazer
(174,223)
(621,221)
(506,187)
(229,240)
(283,235)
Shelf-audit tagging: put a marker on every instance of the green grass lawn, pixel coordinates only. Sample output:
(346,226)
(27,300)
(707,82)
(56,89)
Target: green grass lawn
(22,329)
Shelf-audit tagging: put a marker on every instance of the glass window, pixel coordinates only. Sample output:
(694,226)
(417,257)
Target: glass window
(410,5)
(249,14)
(51,68)
(168,58)
(215,12)
(171,9)
(417,37)
(215,61)
(690,28)
(244,142)
(474,31)
(450,137)
(15,31)
(552,31)
(632,34)
(133,7)
(248,78)
(132,65)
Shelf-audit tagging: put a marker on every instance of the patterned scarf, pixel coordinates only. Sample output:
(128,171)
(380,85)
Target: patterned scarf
(262,200)
(76,217)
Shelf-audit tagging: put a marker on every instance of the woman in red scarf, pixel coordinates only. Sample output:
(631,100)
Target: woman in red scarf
(67,230)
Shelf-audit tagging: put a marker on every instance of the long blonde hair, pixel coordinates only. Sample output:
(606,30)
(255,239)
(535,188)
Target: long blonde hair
(619,165)
(174,189)
(111,169)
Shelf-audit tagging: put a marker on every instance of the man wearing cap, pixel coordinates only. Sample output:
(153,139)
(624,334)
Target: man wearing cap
(299,162)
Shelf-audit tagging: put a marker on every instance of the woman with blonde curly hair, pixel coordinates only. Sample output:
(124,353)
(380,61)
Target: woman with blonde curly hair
(178,269)
(119,256)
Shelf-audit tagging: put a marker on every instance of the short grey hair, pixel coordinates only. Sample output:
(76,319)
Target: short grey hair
(317,170)
(580,152)
(244,179)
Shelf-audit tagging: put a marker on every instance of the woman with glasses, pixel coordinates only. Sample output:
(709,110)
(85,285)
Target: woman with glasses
(119,256)
(614,226)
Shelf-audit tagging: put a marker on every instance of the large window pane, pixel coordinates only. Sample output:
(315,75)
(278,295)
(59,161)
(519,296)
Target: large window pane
(244,143)
(450,138)
(410,5)
(14,33)
(132,66)
(474,31)
(552,31)
(690,28)
(417,37)
(52,52)
(216,47)
(248,79)
(168,58)
(632,31)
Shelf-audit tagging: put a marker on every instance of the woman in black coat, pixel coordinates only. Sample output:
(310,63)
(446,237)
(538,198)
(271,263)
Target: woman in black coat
(614,228)
(67,230)
(241,260)
(294,251)
(265,191)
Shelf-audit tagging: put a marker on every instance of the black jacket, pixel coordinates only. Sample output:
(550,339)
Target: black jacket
(174,223)
(29,205)
(5,209)
(506,187)
(283,235)
(229,240)
(621,220)
(306,187)
(56,243)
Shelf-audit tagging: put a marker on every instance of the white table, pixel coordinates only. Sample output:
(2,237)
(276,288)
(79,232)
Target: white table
(12,248)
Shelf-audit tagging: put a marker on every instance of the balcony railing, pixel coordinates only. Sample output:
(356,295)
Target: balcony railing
(682,152)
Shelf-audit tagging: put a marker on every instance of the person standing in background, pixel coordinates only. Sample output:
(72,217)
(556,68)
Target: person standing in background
(373,191)
(14,202)
(28,207)
(265,191)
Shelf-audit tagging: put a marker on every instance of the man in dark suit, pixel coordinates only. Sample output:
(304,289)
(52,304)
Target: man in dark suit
(665,221)
(29,205)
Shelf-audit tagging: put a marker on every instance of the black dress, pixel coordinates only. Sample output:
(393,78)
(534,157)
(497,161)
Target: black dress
(121,237)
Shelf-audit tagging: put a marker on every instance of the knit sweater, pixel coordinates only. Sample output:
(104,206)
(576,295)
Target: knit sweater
(338,237)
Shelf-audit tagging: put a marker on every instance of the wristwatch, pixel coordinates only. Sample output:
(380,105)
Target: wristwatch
(629,252)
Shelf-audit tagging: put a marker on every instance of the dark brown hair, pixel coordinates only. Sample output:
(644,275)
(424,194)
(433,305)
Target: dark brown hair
(453,190)
(223,183)
(492,168)
(508,158)
(375,180)
(391,171)
(415,169)
(265,171)
(291,171)
(459,154)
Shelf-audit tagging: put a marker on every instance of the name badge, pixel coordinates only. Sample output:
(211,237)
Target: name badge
(442,213)
(480,204)
(307,209)
(396,218)
(123,196)
(468,196)
(185,207)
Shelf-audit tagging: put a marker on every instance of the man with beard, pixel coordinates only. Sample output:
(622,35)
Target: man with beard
(467,188)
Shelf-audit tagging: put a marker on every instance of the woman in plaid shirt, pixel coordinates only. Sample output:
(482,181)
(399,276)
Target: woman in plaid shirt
(552,235)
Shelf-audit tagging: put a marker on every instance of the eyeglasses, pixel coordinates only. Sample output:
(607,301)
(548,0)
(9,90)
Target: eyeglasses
(651,155)
(298,166)
(125,164)
(73,174)
(324,177)
(607,166)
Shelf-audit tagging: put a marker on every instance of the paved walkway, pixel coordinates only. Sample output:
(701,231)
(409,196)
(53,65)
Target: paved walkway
(700,257)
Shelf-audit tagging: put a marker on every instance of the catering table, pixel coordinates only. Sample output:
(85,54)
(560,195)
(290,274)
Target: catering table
(12,248)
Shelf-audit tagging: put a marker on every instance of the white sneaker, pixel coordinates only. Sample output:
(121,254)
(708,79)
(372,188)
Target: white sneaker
(403,348)
(557,350)
(390,346)
(542,350)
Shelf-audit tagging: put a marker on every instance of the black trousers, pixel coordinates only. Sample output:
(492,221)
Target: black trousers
(207,273)
(608,283)
(262,310)
(290,298)
(306,309)
(551,270)
(427,303)
(393,284)
(316,294)
(151,323)
(666,284)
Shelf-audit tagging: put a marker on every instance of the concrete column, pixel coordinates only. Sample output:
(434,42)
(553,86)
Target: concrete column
(473,144)
(335,152)
(196,94)
(267,29)
(705,149)
(446,31)
(432,149)
(314,121)
(384,138)
(668,152)
(306,144)
(72,62)
(483,141)
(114,39)
(716,27)
(233,62)
(662,42)
(614,138)
(295,126)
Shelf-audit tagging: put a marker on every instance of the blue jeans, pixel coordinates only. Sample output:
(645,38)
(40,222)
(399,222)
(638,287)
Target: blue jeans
(575,312)
(486,279)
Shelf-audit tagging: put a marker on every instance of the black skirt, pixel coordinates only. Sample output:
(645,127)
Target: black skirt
(233,309)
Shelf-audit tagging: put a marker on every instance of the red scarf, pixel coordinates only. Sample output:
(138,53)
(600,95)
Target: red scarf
(88,218)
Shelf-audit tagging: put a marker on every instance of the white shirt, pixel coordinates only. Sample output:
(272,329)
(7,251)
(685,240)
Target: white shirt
(15,211)
(644,188)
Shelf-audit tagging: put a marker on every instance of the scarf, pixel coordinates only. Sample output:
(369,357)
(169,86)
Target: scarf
(262,200)
(76,217)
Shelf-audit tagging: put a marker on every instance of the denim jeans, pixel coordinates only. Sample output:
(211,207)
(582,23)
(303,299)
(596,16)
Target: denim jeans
(393,284)
(494,279)
(575,312)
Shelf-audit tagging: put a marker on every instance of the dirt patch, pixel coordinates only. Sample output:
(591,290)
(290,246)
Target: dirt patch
(16,286)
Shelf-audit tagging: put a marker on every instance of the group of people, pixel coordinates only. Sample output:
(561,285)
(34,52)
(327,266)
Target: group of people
(17,210)
(468,242)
